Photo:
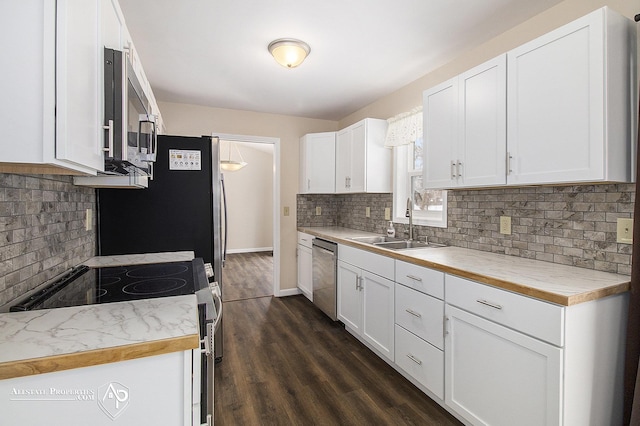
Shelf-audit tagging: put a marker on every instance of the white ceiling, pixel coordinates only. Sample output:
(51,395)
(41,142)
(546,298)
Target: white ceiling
(214,52)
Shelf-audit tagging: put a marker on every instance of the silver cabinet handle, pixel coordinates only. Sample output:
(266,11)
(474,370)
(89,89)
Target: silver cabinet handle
(489,304)
(109,147)
(414,359)
(413,277)
(444,327)
(453,169)
(358,285)
(509,158)
(361,279)
(414,313)
(458,167)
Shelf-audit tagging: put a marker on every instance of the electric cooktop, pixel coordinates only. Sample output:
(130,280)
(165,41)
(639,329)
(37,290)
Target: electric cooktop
(87,286)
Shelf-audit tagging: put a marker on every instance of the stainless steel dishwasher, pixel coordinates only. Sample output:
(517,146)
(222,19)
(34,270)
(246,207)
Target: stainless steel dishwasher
(325,264)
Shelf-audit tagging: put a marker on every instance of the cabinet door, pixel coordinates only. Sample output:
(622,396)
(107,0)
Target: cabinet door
(440,135)
(305,271)
(497,376)
(482,142)
(343,160)
(378,313)
(319,163)
(555,105)
(349,297)
(358,154)
(79,83)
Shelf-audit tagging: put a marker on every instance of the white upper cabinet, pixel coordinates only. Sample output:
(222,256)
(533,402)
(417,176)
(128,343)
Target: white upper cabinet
(79,94)
(52,88)
(318,163)
(52,110)
(570,103)
(465,128)
(440,135)
(363,164)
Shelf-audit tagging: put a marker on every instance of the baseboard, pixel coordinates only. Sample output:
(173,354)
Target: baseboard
(249,250)
(289,292)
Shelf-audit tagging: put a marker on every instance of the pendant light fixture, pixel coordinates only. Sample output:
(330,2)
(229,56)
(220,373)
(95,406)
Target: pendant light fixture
(230,165)
(289,52)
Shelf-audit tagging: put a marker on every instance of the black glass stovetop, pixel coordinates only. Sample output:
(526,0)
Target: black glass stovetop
(87,286)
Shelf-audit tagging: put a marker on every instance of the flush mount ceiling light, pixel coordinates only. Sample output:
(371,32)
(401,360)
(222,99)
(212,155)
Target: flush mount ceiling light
(230,165)
(289,52)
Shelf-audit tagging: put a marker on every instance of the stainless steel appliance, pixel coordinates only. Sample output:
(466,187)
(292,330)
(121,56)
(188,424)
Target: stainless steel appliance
(325,276)
(182,209)
(210,317)
(130,127)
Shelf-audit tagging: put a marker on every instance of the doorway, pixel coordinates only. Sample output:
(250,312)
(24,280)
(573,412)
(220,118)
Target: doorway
(252,262)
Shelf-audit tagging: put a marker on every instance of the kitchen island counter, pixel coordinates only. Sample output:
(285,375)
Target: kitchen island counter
(551,282)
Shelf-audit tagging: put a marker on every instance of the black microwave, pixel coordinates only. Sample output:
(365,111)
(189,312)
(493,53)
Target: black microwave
(130,127)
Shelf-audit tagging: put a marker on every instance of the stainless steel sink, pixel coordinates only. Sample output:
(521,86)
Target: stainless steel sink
(403,245)
(392,243)
(377,239)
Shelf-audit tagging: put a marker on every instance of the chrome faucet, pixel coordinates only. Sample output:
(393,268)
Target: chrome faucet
(409,214)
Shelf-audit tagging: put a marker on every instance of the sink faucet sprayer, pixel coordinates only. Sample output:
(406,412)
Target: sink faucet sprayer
(409,214)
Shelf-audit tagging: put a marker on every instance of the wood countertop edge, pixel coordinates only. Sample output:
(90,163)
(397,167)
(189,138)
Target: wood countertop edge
(50,364)
(506,285)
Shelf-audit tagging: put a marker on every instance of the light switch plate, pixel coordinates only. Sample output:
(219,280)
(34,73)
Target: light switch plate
(318,211)
(387,213)
(505,225)
(88,220)
(625,230)
(286,210)
(367,211)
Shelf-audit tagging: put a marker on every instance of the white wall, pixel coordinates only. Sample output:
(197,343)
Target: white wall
(249,198)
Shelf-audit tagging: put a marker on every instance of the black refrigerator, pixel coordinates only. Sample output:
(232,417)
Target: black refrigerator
(183,209)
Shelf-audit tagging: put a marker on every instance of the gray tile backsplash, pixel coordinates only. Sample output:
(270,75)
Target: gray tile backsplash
(42,230)
(571,225)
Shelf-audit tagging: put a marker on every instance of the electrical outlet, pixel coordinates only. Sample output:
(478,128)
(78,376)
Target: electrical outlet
(88,220)
(367,211)
(387,213)
(286,210)
(505,225)
(625,230)
(318,211)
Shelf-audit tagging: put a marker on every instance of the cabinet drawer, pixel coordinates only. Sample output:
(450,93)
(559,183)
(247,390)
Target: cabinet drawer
(536,318)
(420,360)
(305,239)
(421,314)
(420,278)
(375,263)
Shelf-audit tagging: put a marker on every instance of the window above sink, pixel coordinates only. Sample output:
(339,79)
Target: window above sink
(429,206)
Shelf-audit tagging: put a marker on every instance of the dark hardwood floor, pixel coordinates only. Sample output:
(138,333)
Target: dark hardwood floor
(286,363)
(247,275)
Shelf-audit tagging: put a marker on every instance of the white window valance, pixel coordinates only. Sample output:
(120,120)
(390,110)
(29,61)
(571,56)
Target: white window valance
(404,128)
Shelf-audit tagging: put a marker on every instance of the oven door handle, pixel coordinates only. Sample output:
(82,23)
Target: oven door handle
(216,323)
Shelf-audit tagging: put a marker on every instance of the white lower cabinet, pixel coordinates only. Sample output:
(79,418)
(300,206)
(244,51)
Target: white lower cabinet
(305,265)
(487,355)
(511,359)
(419,325)
(497,376)
(366,299)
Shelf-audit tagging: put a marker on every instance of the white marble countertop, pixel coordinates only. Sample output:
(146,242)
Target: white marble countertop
(561,284)
(47,340)
(138,259)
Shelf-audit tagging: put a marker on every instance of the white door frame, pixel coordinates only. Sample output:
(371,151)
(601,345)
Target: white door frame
(276,195)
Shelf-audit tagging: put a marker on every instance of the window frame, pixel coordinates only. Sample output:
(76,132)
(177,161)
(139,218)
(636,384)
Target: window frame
(403,170)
